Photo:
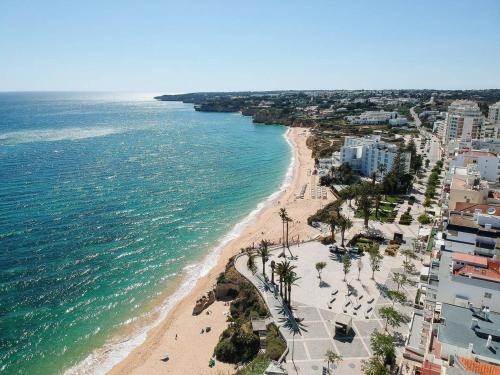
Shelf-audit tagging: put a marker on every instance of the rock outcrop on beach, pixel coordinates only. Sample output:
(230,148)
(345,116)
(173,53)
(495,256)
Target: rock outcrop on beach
(204,302)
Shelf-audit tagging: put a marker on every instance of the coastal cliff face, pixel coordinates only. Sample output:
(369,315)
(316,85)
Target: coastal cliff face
(205,102)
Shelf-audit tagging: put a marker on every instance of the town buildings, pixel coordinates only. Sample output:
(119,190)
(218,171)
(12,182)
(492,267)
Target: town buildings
(486,162)
(370,155)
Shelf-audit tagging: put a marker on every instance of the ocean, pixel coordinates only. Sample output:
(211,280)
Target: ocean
(111,205)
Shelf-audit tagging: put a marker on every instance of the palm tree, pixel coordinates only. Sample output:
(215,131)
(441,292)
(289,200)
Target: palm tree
(333,221)
(345,224)
(348,193)
(377,196)
(263,252)
(365,203)
(281,271)
(381,170)
(273,265)
(333,358)
(283,216)
(290,279)
(288,220)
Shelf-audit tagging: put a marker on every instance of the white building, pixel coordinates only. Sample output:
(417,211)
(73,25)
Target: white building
(487,163)
(365,155)
(374,117)
(463,122)
(494,113)
(399,121)
(476,234)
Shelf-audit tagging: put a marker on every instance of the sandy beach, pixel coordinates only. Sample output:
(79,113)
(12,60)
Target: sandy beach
(190,351)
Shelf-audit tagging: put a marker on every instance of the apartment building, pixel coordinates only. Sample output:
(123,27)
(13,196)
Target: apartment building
(463,122)
(367,154)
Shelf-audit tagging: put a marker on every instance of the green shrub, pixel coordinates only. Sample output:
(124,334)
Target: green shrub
(275,346)
(424,219)
(256,367)
(405,219)
(240,346)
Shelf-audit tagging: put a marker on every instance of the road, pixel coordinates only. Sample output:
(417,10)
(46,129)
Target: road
(415,117)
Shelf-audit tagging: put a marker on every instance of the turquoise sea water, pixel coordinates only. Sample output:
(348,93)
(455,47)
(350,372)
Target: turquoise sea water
(104,200)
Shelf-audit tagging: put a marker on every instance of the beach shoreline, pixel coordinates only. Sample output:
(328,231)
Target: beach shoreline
(178,332)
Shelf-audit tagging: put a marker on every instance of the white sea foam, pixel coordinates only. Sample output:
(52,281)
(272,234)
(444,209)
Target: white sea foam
(103,359)
(49,135)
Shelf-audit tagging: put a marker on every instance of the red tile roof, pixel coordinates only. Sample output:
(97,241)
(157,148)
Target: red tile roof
(479,153)
(472,207)
(491,273)
(480,367)
(470,259)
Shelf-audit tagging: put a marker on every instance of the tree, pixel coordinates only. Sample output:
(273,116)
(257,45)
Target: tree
(383,347)
(290,279)
(396,296)
(375,259)
(374,366)
(346,264)
(360,267)
(365,203)
(408,253)
(332,357)
(400,279)
(320,266)
(281,269)
(424,219)
(408,266)
(251,263)
(288,220)
(391,316)
(345,224)
(377,197)
(333,220)
(283,216)
(263,252)
(348,193)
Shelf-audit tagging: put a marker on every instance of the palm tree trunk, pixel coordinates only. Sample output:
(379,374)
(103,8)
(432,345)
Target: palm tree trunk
(290,295)
(283,238)
(281,287)
(287,244)
(264,267)
(342,233)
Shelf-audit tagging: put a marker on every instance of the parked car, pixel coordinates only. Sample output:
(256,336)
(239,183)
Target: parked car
(354,250)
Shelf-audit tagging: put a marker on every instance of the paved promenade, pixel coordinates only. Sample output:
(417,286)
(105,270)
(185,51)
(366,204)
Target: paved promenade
(317,308)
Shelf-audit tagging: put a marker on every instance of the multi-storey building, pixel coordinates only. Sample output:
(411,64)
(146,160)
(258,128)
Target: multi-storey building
(487,163)
(369,155)
(463,122)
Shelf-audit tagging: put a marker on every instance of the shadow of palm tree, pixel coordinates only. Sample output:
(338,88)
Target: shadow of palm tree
(288,322)
(324,284)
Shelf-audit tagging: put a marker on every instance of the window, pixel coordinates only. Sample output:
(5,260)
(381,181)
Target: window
(487,295)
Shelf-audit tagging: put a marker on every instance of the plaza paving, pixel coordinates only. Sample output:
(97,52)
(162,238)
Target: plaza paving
(314,335)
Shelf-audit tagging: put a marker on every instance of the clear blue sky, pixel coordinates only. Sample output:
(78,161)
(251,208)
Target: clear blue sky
(219,45)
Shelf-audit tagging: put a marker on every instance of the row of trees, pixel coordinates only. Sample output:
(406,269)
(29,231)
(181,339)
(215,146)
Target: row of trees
(382,343)
(432,183)
(285,271)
